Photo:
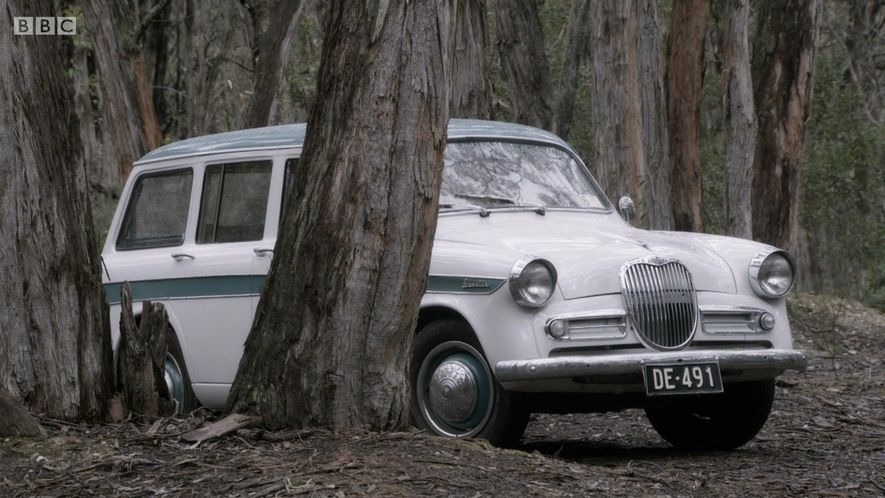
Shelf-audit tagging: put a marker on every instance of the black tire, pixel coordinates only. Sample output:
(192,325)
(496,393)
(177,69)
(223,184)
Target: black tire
(183,399)
(718,422)
(496,415)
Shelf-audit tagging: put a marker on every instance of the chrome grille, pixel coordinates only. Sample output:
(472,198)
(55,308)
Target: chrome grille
(661,301)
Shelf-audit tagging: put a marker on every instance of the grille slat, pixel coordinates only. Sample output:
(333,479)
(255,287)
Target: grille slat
(660,301)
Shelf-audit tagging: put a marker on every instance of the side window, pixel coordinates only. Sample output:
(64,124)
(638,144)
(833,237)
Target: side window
(234,202)
(157,211)
(288,185)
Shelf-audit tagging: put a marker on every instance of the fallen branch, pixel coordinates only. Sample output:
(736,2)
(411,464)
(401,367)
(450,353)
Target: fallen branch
(231,423)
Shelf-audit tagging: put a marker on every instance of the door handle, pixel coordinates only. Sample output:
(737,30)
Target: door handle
(181,257)
(262,251)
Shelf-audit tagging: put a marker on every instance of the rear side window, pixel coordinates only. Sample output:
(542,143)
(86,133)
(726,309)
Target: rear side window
(234,202)
(157,211)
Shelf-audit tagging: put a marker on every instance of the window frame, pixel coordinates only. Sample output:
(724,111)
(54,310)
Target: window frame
(224,163)
(131,199)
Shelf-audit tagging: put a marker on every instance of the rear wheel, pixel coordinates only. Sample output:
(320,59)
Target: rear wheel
(717,422)
(178,382)
(454,393)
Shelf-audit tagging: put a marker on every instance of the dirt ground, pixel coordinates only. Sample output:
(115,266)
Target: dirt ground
(826,437)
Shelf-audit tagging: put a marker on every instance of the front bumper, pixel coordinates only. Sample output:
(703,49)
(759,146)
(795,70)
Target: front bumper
(568,367)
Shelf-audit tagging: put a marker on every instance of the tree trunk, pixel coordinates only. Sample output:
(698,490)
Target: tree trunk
(129,123)
(140,362)
(740,120)
(575,52)
(470,94)
(655,136)
(685,78)
(783,70)
(629,123)
(864,47)
(524,64)
(332,333)
(271,53)
(55,340)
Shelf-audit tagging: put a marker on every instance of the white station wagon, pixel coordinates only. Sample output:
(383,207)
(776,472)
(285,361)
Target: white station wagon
(540,298)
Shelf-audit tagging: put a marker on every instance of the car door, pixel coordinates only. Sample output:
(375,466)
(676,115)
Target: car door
(223,268)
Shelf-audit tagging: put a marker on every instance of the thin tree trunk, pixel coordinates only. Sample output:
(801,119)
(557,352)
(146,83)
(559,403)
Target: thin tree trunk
(130,125)
(783,70)
(862,41)
(55,340)
(685,77)
(629,123)
(334,325)
(740,120)
(617,127)
(574,55)
(524,64)
(271,54)
(653,95)
(471,94)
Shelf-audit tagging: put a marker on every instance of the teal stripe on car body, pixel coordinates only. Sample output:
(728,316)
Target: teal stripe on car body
(194,287)
(251,285)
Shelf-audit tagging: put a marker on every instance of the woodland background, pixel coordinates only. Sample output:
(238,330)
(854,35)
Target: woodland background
(148,72)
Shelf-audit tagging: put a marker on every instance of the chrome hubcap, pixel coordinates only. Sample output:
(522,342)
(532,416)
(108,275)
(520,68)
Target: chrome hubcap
(174,382)
(453,391)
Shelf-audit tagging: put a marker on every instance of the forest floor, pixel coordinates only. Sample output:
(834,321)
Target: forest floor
(825,437)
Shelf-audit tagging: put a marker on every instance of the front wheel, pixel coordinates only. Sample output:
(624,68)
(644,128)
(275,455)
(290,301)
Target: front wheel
(717,422)
(454,393)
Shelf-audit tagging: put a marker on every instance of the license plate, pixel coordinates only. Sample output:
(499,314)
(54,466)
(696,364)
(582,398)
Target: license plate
(682,378)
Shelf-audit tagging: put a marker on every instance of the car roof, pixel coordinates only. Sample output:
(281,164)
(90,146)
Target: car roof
(292,135)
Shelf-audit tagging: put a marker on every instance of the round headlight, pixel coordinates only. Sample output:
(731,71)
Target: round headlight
(532,282)
(772,273)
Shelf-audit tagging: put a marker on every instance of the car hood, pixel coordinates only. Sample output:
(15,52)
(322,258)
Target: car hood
(588,249)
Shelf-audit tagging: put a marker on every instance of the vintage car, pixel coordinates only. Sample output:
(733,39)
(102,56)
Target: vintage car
(540,296)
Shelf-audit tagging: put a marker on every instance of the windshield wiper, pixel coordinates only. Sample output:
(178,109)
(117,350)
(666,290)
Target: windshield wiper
(483,212)
(504,200)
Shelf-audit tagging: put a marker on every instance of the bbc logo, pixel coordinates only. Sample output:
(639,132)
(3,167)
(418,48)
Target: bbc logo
(64,26)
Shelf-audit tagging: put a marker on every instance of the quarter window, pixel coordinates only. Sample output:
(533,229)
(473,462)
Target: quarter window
(234,202)
(157,212)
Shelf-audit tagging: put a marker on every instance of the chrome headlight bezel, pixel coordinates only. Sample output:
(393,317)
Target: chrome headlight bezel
(518,287)
(767,257)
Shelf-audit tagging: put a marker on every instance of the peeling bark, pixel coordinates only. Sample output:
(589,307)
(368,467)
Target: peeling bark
(471,94)
(140,370)
(129,123)
(685,77)
(332,333)
(55,340)
(629,135)
(524,64)
(574,55)
(740,120)
(783,71)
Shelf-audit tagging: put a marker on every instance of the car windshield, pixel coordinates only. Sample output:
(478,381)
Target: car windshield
(488,174)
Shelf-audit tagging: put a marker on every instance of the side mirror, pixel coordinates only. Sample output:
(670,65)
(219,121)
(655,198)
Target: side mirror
(626,207)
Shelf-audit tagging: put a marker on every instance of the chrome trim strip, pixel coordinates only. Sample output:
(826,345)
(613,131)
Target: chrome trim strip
(620,330)
(566,367)
(724,310)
